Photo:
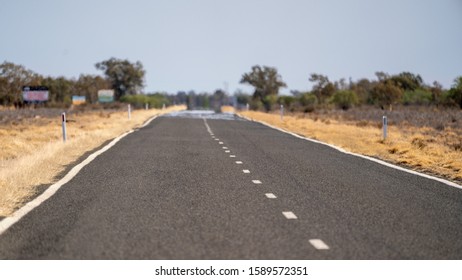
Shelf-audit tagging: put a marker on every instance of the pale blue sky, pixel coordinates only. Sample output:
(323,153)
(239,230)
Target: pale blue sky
(202,44)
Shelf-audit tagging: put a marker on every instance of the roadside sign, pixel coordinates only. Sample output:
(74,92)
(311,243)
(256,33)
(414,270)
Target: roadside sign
(35,94)
(78,100)
(105,95)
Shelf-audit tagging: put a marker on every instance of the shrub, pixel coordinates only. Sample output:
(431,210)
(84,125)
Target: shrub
(344,99)
(140,100)
(308,101)
(417,97)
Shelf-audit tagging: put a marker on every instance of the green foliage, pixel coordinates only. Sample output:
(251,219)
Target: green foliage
(288,101)
(269,101)
(124,76)
(323,88)
(308,101)
(363,89)
(385,93)
(344,99)
(266,82)
(454,95)
(140,100)
(417,97)
(407,81)
(12,78)
(242,98)
(89,85)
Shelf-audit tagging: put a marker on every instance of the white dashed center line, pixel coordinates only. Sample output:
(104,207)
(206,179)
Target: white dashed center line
(289,215)
(238,162)
(319,244)
(216,139)
(257,182)
(270,195)
(232,155)
(224,148)
(227,151)
(221,143)
(246,171)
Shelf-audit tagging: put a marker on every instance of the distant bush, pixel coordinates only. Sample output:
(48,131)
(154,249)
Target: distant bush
(417,97)
(308,101)
(269,101)
(344,99)
(288,102)
(140,100)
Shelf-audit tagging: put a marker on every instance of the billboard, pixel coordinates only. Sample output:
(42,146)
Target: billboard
(105,95)
(35,94)
(78,100)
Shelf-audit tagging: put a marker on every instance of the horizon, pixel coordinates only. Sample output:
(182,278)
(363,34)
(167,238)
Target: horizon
(205,46)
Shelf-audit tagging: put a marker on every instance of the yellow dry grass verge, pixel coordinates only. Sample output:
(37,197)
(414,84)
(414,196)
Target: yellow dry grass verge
(32,153)
(417,148)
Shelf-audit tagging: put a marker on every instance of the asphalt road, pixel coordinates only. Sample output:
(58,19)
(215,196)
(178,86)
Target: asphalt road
(172,191)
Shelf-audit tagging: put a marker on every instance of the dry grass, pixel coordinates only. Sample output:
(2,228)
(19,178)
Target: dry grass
(424,149)
(32,151)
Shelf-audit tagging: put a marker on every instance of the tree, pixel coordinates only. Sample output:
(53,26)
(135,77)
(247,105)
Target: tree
(124,76)
(407,81)
(323,88)
(89,85)
(385,93)
(363,89)
(455,93)
(266,82)
(309,101)
(437,92)
(218,99)
(61,89)
(12,78)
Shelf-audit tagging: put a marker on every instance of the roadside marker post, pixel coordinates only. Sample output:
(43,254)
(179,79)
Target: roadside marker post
(385,127)
(129,112)
(146,106)
(63,119)
(163,106)
(282,112)
(247,106)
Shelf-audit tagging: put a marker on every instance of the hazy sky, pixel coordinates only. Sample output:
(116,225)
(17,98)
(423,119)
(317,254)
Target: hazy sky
(203,44)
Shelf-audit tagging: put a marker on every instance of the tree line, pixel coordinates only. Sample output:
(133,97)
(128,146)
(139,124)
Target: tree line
(404,88)
(127,80)
(124,77)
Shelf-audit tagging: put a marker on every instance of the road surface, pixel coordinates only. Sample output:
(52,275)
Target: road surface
(204,187)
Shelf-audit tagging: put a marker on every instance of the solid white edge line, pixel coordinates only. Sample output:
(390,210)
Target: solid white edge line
(319,244)
(7,222)
(449,183)
(11,220)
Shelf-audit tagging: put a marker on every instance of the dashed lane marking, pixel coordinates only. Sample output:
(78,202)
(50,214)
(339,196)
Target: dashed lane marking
(289,215)
(227,151)
(216,139)
(224,148)
(257,182)
(232,155)
(319,244)
(238,162)
(246,171)
(270,195)
(221,143)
